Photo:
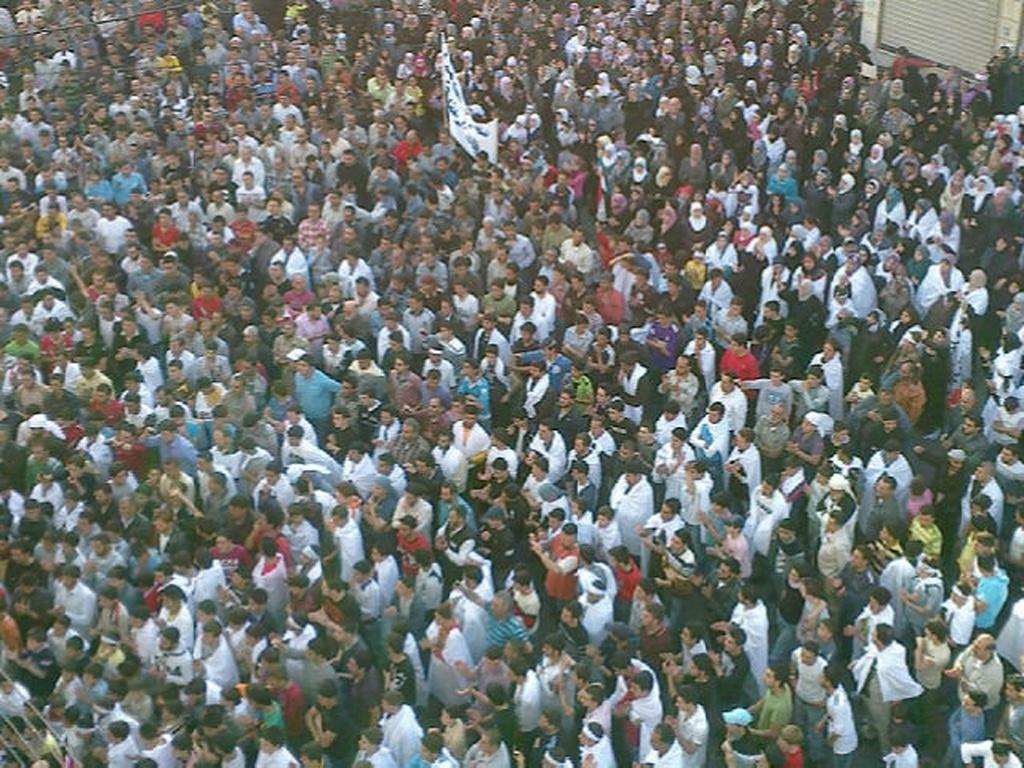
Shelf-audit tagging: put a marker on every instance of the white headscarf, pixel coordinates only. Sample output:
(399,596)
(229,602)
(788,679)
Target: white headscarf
(639,174)
(698,221)
(856,142)
(749,55)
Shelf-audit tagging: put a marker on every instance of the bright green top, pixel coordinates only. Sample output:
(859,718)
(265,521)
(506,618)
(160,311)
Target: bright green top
(777,709)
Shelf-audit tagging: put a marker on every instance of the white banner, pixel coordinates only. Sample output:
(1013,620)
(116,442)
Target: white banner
(473,136)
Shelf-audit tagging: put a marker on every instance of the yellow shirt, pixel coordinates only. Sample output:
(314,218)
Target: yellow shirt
(930,537)
(966,559)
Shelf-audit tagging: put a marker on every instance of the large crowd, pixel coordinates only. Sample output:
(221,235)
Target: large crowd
(688,433)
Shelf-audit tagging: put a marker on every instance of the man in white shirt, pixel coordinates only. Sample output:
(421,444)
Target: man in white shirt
(528,313)
(733,398)
(692,728)
(247,162)
(883,679)
(76,600)
(551,446)
(842,729)
(401,730)
(538,383)
(994,754)
(367,592)
(273,752)
(156,746)
(373,751)
(576,252)
(710,438)
(122,751)
(528,698)
(112,229)
(359,470)
(665,751)
(809,696)
(173,660)
(469,437)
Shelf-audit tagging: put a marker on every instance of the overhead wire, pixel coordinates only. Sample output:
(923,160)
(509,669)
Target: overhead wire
(94,23)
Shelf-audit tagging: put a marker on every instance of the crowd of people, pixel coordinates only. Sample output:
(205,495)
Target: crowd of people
(686,434)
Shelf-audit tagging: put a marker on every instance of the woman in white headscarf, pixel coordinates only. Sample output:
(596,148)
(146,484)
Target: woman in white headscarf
(722,254)
(640,232)
(875,165)
(845,201)
(697,232)
(749,58)
(566,97)
(775,278)
(517,131)
(576,46)
(604,85)
(976,293)
(506,88)
(639,173)
(863,294)
(978,191)
(952,198)
(607,157)
(565,129)
(856,146)
(841,313)
(764,247)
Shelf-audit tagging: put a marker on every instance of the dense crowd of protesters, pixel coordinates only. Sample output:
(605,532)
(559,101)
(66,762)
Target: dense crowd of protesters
(686,434)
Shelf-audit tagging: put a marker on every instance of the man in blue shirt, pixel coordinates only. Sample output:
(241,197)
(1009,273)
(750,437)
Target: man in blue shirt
(993,589)
(555,363)
(172,446)
(314,392)
(126,181)
(475,385)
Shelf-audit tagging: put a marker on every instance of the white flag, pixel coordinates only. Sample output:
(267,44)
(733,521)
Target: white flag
(473,136)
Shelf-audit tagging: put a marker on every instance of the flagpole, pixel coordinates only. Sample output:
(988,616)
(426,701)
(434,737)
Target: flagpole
(444,91)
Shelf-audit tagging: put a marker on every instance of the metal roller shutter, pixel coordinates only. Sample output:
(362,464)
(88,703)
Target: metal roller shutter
(957,32)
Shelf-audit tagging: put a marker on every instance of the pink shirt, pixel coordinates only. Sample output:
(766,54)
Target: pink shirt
(914,503)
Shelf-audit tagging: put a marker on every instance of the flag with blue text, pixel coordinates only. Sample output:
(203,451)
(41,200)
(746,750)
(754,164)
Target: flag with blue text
(472,135)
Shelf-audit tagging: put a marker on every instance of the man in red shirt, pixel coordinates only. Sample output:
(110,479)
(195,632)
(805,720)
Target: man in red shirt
(409,541)
(407,149)
(164,234)
(230,554)
(207,303)
(738,361)
(103,405)
(610,304)
(655,639)
(289,696)
(244,230)
(627,576)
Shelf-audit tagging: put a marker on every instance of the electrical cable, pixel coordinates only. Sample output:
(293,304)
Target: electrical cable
(92,23)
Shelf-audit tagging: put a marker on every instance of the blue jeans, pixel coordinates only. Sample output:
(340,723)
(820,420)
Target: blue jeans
(807,716)
(844,761)
(784,643)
